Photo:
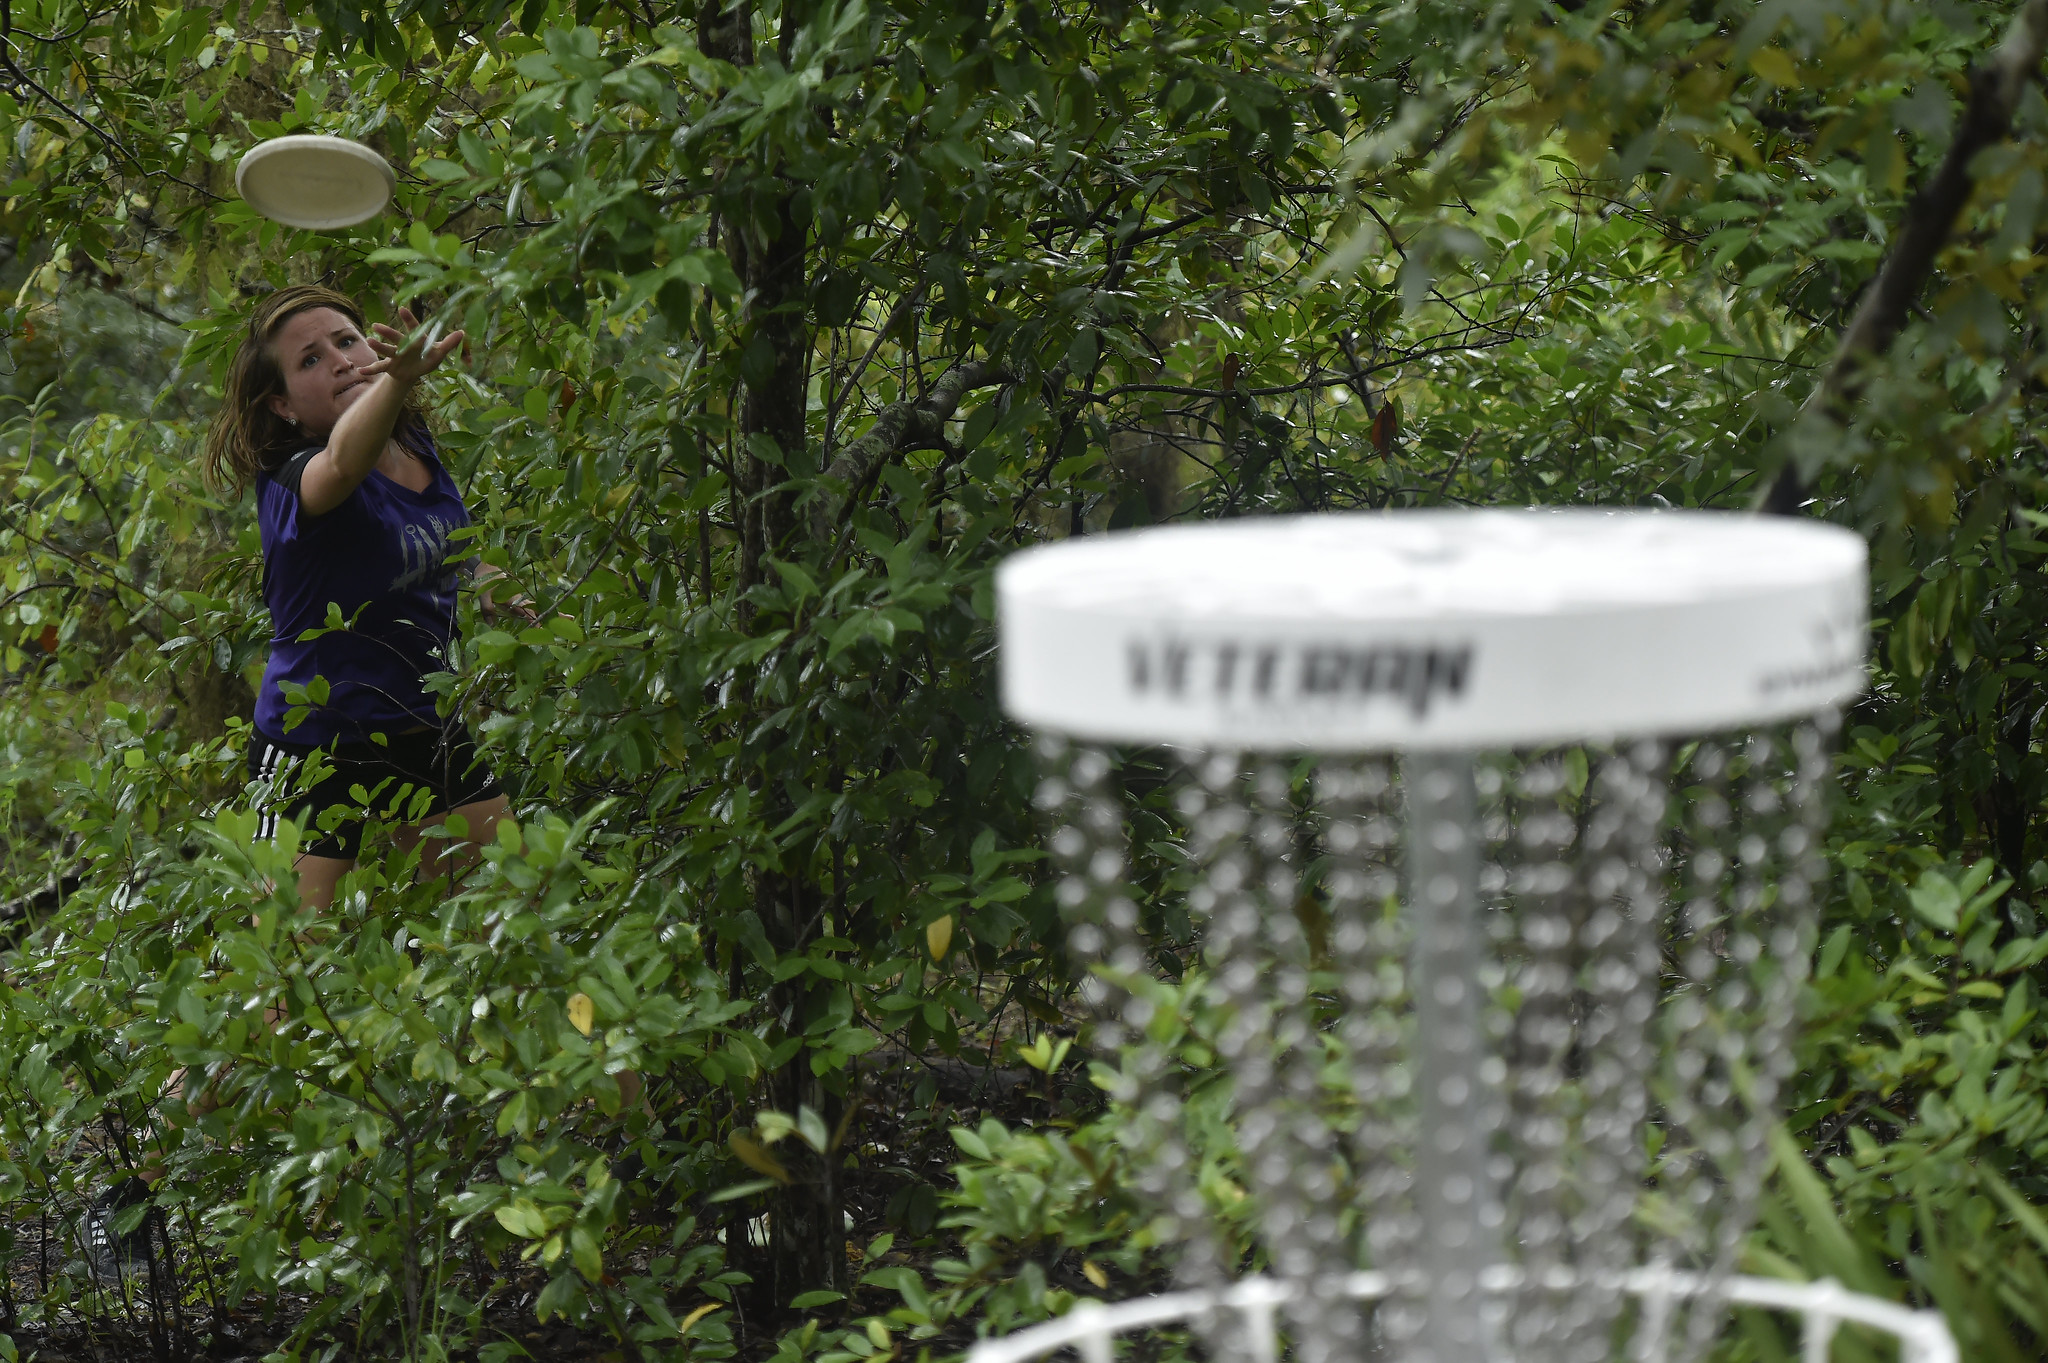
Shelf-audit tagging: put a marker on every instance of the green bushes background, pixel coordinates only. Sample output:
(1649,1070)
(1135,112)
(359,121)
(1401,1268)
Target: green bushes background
(788,322)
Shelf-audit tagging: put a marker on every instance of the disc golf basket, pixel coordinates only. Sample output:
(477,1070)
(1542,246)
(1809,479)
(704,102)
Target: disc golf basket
(1502,833)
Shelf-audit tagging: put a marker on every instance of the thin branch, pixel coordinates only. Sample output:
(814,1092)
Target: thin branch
(900,426)
(8,63)
(1995,88)
(896,315)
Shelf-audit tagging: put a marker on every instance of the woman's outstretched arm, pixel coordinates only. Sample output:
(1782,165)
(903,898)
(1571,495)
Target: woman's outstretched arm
(360,434)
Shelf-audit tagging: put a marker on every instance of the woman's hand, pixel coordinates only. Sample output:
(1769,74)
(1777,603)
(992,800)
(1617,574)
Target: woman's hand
(404,356)
(490,581)
(519,607)
(363,431)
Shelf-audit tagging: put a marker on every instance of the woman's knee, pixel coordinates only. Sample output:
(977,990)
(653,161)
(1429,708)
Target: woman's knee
(319,877)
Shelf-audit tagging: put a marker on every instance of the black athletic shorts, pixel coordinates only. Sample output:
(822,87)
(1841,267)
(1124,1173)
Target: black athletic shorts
(443,763)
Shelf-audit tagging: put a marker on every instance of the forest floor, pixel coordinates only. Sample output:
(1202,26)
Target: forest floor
(903,1133)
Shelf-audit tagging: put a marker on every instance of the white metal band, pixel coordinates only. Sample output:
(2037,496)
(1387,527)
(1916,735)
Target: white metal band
(1091,1328)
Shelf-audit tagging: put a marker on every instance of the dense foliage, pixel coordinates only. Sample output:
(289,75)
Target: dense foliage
(788,321)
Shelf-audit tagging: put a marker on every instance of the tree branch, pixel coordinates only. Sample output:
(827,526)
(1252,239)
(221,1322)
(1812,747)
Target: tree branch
(1995,88)
(900,425)
(14,68)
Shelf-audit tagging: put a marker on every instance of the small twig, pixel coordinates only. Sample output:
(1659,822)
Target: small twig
(896,314)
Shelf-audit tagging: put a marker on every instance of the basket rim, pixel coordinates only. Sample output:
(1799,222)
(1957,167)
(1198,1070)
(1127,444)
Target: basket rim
(1823,1305)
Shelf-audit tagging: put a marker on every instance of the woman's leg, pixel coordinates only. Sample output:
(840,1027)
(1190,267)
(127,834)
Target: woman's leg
(331,851)
(319,875)
(441,856)
(317,878)
(447,856)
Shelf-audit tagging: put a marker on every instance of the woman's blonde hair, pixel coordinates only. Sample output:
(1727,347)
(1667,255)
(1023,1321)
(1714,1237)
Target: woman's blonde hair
(247,438)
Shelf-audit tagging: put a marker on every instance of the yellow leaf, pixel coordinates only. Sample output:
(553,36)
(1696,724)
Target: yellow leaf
(706,1309)
(1094,1274)
(755,1156)
(938,935)
(581,1014)
(1774,66)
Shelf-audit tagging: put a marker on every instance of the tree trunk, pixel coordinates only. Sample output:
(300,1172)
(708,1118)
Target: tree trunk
(1996,85)
(2011,802)
(766,238)
(771,263)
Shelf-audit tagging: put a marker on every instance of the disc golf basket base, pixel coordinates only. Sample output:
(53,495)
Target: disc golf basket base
(1510,819)
(1091,1330)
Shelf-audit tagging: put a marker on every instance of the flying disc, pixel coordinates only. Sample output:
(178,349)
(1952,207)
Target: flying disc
(315,181)
(1433,630)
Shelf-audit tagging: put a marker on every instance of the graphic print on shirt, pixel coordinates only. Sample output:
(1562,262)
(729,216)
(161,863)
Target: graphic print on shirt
(424,548)
(388,558)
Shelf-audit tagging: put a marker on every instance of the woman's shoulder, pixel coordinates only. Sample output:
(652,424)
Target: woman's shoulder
(289,469)
(277,492)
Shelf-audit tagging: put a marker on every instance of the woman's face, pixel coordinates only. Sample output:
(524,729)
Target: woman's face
(318,352)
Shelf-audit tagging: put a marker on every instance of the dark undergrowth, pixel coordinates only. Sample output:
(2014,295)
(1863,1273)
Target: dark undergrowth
(173,1310)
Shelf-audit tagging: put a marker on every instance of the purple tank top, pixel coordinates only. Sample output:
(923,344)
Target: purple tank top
(383,558)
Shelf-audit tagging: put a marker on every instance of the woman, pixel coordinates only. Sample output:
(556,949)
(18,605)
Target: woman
(356,513)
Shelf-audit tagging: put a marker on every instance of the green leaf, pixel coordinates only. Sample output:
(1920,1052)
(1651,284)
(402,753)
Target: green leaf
(735,1192)
(1936,899)
(523,1218)
(805,1301)
(800,583)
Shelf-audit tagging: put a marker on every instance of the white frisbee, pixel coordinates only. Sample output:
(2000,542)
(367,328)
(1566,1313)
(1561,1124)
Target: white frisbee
(311,180)
(1433,629)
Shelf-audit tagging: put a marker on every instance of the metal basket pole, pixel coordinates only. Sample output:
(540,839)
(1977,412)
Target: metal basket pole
(1455,1196)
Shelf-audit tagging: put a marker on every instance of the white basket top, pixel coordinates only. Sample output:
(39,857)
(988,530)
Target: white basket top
(1433,629)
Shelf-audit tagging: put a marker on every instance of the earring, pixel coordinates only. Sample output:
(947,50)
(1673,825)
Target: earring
(293,420)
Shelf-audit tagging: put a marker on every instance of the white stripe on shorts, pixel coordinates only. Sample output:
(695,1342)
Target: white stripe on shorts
(271,768)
